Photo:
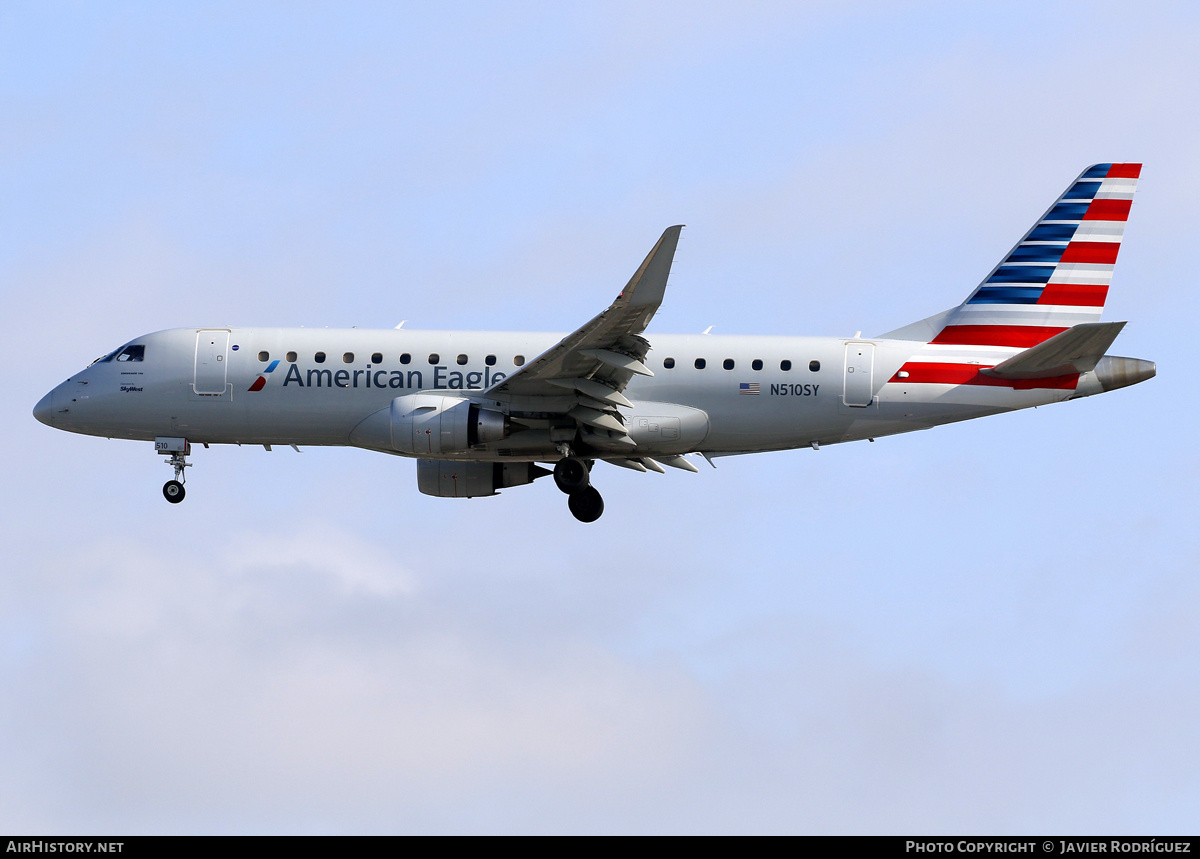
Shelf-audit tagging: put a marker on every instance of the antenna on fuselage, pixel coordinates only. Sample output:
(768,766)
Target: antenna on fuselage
(707,330)
(401,325)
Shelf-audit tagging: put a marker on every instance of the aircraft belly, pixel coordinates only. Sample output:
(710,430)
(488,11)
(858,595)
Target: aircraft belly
(318,418)
(770,419)
(930,398)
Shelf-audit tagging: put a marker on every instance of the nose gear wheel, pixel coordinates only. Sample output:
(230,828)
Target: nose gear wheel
(173,491)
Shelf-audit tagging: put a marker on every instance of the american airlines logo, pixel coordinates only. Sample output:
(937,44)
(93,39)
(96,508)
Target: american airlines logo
(261,381)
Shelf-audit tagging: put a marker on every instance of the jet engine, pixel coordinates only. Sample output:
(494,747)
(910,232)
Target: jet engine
(429,424)
(472,479)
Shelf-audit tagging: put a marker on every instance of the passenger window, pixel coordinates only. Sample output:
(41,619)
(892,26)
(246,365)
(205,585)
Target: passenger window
(700,363)
(291,357)
(814,366)
(519,360)
(490,360)
(319,357)
(376,357)
(462,359)
(669,363)
(347,357)
(132,353)
(756,364)
(264,356)
(785,365)
(434,357)
(728,364)
(405,358)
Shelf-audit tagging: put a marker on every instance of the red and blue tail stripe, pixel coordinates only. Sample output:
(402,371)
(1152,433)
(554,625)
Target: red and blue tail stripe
(1058,275)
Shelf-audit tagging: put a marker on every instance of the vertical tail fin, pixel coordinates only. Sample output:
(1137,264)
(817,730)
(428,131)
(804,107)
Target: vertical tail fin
(1057,276)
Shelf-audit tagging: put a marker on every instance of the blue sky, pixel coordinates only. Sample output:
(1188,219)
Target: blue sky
(989,627)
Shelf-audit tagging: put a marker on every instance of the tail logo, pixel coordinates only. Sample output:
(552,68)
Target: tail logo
(1058,275)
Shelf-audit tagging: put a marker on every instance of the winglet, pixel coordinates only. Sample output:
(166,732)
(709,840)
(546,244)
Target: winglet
(649,282)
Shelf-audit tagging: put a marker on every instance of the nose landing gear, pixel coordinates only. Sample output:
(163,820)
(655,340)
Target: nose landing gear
(178,448)
(571,476)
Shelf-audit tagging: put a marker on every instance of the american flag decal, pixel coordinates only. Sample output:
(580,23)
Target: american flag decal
(750,388)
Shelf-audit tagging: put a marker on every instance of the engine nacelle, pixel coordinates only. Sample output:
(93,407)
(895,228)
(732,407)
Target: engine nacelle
(430,424)
(472,479)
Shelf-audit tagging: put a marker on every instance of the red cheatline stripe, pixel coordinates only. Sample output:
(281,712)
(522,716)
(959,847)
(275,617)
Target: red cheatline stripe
(1101,252)
(1108,210)
(258,383)
(937,374)
(995,335)
(921,373)
(1076,294)
(1124,171)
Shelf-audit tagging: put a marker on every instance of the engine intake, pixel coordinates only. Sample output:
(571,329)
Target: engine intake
(429,424)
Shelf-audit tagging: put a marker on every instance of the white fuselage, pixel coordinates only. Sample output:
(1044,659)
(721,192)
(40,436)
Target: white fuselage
(199,384)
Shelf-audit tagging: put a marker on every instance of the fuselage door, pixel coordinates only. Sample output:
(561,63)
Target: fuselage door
(860,362)
(212,355)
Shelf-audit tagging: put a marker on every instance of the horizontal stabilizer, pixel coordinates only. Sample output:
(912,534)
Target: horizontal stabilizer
(1076,350)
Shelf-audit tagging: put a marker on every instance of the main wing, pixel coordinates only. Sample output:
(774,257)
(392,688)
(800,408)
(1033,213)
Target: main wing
(584,374)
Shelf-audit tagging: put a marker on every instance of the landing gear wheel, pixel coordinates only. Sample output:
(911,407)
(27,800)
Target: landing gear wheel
(586,504)
(179,448)
(173,491)
(571,475)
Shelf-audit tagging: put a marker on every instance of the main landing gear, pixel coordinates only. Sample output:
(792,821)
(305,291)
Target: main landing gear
(571,476)
(179,449)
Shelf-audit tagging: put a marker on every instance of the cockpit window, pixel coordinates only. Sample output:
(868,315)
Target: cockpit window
(132,353)
(107,358)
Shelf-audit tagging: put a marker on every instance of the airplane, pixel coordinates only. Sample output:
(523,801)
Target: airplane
(483,411)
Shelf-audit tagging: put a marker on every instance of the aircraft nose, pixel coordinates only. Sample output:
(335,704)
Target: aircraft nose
(45,407)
